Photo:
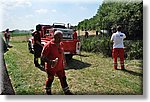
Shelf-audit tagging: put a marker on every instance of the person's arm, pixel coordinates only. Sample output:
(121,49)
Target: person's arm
(124,36)
(5,34)
(45,59)
(64,60)
(39,43)
(36,40)
(112,38)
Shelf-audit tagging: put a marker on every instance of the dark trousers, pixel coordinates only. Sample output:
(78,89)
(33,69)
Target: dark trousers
(61,76)
(37,55)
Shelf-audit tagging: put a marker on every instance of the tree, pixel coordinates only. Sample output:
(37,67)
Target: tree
(128,14)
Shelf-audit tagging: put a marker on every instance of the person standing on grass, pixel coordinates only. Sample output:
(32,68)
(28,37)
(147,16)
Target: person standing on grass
(37,49)
(53,56)
(7,37)
(118,47)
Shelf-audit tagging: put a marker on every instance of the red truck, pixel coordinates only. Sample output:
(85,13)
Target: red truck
(71,45)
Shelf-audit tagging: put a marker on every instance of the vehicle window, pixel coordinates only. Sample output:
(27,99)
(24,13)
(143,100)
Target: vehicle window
(67,35)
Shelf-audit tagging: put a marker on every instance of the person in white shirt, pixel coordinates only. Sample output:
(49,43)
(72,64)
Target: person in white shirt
(118,47)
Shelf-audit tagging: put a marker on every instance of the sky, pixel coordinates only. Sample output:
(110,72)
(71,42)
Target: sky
(26,14)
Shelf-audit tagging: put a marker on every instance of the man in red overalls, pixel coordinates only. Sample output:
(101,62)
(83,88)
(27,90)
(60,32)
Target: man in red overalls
(118,47)
(53,55)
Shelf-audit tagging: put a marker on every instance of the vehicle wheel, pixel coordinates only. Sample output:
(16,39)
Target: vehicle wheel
(68,57)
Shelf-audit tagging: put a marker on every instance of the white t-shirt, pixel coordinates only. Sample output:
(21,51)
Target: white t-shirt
(117,38)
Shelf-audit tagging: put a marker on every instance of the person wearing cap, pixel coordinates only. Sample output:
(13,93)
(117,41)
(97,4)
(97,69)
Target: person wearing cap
(118,47)
(53,56)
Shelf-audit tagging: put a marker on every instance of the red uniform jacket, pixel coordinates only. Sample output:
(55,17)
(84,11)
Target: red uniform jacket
(51,51)
(75,35)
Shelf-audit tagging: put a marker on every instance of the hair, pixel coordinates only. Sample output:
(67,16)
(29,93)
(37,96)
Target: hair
(7,30)
(38,27)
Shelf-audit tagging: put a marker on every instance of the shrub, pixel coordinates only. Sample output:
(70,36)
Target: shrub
(133,48)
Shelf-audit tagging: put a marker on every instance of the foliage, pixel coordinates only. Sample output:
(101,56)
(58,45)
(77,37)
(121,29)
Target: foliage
(133,49)
(96,44)
(129,14)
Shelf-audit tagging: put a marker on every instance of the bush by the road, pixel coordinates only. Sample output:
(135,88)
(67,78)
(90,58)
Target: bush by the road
(133,48)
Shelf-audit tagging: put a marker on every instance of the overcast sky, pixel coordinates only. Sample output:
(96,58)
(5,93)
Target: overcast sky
(25,14)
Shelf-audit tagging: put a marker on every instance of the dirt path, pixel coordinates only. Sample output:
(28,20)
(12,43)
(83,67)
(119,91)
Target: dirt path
(83,32)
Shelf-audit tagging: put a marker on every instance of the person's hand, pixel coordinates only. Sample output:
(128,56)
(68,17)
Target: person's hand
(54,62)
(64,63)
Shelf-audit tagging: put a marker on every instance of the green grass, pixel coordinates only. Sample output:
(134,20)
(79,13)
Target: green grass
(19,34)
(94,75)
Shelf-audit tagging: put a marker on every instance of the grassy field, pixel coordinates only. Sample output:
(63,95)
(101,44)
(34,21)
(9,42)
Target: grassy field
(94,75)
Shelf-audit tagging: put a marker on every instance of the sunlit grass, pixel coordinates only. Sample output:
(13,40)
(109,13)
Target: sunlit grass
(89,74)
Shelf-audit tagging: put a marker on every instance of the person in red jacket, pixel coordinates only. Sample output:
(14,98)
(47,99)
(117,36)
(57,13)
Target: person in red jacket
(7,37)
(75,34)
(53,56)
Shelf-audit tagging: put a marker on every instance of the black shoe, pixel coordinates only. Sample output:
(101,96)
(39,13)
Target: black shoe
(37,65)
(42,68)
(9,46)
(48,91)
(68,92)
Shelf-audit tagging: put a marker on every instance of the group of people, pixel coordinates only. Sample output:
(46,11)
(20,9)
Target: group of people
(52,58)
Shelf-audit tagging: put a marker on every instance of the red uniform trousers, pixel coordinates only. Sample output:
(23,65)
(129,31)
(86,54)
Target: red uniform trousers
(61,76)
(118,52)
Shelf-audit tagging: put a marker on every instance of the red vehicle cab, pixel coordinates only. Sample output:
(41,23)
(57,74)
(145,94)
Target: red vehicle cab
(71,46)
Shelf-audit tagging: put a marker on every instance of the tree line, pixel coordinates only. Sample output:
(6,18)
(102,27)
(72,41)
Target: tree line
(128,14)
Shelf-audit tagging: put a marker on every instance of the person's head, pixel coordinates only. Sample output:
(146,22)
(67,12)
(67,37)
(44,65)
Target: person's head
(58,36)
(119,28)
(7,30)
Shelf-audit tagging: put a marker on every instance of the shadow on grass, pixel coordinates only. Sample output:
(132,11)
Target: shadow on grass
(81,55)
(72,64)
(76,64)
(132,72)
